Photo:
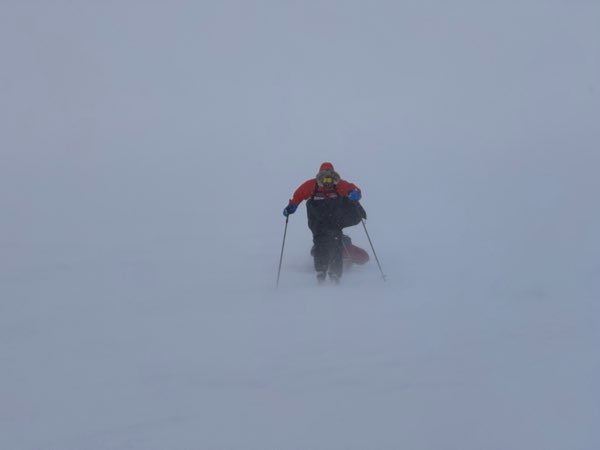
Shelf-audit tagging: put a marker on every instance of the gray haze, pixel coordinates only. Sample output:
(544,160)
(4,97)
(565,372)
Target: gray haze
(147,149)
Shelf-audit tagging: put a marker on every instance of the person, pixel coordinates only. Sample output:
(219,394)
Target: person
(332,204)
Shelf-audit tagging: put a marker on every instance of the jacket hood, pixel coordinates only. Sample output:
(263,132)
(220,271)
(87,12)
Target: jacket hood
(326,171)
(326,166)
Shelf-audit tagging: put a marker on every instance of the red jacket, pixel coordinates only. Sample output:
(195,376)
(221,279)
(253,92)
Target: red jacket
(310,188)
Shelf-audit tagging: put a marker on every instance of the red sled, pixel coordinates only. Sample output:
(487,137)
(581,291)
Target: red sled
(355,254)
(350,253)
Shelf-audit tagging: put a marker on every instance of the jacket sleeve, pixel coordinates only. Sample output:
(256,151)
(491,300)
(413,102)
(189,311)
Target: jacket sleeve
(344,188)
(304,192)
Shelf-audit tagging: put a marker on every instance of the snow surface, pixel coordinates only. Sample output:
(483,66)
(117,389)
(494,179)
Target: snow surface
(147,150)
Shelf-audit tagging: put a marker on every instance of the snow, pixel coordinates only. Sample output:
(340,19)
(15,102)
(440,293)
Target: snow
(147,152)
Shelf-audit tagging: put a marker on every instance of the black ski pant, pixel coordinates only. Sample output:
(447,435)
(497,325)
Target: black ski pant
(326,219)
(327,251)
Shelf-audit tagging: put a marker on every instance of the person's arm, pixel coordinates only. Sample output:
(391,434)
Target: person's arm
(350,190)
(304,192)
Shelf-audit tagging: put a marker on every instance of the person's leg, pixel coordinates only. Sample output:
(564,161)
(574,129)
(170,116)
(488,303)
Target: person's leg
(323,221)
(320,252)
(346,240)
(335,255)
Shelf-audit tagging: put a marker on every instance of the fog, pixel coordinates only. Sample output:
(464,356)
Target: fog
(147,150)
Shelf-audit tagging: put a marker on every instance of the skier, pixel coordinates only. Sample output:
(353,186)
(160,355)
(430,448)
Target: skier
(331,205)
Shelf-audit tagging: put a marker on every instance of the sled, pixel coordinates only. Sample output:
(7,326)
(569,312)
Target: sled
(355,255)
(351,253)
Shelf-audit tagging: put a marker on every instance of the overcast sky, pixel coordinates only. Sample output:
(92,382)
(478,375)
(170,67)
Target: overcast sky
(140,122)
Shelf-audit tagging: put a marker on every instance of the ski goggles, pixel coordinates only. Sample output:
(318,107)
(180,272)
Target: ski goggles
(327,178)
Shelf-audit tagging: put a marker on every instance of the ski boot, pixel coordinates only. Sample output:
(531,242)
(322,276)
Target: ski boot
(335,278)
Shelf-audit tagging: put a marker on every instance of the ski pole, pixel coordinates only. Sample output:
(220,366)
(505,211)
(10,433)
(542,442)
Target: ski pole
(287,218)
(373,248)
